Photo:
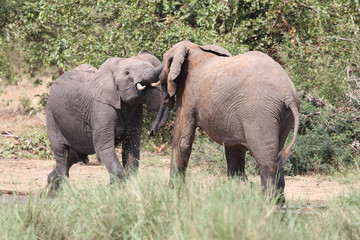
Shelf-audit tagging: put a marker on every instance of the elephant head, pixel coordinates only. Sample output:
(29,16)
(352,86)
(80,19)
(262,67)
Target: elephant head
(174,61)
(133,80)
(128,80)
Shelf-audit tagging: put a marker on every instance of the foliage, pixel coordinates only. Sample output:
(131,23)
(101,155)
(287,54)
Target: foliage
(324,143)
(316,41)
(146,208)
(34,145)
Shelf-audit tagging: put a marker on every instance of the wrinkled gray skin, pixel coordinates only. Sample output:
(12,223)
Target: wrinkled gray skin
(246,103)
(92,111)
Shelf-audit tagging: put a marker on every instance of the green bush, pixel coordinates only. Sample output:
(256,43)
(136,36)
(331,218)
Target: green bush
(34,145)
(316,41)
(324,141)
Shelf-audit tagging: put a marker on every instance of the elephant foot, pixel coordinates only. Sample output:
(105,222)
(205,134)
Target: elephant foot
(280,199)
(48,191)
(241,176)
(177,179)
(55,179)
(120,176)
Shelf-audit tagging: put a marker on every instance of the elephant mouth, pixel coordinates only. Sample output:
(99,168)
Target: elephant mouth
(142,87)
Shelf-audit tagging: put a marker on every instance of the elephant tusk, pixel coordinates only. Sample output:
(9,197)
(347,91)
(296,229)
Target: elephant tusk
(155,84)
(140,87)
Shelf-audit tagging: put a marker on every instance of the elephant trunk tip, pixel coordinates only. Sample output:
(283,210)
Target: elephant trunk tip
(153,132)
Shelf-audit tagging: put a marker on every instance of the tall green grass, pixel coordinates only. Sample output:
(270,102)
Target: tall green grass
(145,207)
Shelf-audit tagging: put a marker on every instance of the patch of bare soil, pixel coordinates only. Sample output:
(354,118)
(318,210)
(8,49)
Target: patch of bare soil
(30,176)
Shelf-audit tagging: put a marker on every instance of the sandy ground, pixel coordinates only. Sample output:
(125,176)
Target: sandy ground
(29,177)
(24,176)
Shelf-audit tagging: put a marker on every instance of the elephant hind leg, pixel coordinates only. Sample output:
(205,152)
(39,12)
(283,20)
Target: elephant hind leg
(235,158)
(60,171)
(63,164)
(58,145)
(263,143)
(74,157)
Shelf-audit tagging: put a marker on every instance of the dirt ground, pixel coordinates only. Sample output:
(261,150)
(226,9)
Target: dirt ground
(27,176)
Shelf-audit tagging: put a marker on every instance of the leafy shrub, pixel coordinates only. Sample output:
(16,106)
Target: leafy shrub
(316,41)
(34,145)
(324,141)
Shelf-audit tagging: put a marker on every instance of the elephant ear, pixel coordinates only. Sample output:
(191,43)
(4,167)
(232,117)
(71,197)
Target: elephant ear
(104,88)
(176,59)
(216,50)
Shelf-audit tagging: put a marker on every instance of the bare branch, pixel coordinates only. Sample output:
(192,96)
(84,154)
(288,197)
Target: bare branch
(308,7)
(233,26)
(8,134)
(353,23)
(340,38)
(355,93)
(276,20)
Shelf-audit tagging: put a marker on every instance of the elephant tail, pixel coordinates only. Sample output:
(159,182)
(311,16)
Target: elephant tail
(285,153)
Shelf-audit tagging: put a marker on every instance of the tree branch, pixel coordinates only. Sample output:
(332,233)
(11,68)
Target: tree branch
(340,38)
(308,7)
(353,23)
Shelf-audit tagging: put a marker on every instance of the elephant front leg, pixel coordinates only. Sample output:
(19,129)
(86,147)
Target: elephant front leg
(183,139)
(104,145)
(111,162)
(131,152)
(103,133)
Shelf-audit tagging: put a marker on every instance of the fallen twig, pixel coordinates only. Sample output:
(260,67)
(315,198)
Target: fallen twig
(354,26)
(8,134)
(340,38)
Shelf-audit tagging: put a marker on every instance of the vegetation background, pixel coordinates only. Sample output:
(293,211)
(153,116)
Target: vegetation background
(316,41)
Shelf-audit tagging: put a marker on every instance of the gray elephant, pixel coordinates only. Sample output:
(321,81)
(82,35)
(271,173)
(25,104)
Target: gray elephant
(245,103)
(92,111)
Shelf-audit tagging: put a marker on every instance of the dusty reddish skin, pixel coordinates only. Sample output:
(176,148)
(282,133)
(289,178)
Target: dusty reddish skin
(246,102)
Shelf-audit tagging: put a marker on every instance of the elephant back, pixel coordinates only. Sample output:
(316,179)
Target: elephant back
(72,81)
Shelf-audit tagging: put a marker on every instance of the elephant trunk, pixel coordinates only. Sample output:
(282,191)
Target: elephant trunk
(161,118)
(153,77)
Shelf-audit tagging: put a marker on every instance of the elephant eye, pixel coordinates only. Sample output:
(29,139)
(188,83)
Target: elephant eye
(127,72)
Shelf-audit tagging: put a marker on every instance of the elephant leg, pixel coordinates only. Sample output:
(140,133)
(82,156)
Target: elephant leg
(263,143)
(60,171)
(131,151)
(74,157)
(273,181)
(60,152)
(103,126)
(111,162)
(183,138)
(235,158)
(104,145)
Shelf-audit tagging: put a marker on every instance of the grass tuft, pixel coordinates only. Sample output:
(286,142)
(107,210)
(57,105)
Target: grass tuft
(145,207)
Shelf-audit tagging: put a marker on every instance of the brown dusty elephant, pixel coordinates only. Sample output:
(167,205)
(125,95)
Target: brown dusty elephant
(246,102)
(93,110)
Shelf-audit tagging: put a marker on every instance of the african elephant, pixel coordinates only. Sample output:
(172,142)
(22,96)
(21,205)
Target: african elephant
(92,111)
(246,103)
